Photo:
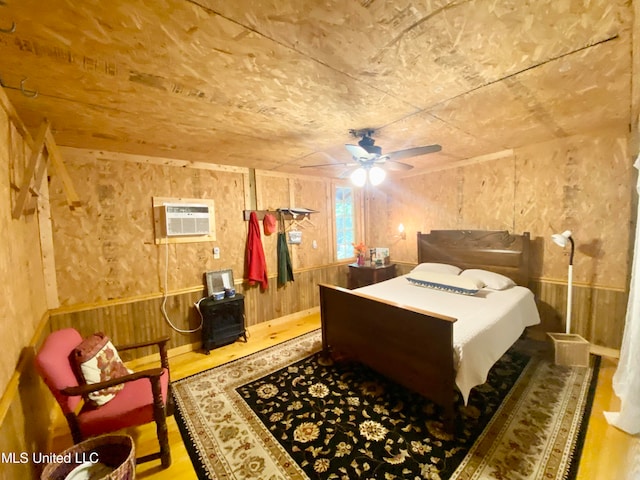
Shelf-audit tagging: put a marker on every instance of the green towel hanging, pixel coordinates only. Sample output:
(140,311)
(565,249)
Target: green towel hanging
(285,269)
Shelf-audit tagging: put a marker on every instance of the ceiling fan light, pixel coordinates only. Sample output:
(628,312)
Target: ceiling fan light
(359,177)
(376,175)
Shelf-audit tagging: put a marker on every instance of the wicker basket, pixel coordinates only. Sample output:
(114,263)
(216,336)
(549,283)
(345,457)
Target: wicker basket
(107,457)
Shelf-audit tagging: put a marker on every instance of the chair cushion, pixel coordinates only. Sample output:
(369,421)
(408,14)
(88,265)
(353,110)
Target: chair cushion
(97,360)
(132,406)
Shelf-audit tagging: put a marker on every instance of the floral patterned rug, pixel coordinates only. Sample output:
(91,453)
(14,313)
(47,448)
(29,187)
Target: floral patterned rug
(286,413)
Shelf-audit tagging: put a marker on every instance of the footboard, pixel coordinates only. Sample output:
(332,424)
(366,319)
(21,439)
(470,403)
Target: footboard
(409,346)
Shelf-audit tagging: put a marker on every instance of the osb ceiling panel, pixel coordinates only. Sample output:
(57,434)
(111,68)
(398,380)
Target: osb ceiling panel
(278,84)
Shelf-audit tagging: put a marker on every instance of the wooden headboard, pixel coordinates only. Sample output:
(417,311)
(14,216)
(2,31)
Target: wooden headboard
(494,250)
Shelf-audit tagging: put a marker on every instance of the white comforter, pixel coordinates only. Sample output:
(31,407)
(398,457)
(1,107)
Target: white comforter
(488,323)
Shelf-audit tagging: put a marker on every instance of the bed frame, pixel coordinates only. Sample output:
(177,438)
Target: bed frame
(411,346)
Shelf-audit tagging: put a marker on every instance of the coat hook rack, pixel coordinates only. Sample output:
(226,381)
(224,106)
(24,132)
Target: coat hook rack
(286,213)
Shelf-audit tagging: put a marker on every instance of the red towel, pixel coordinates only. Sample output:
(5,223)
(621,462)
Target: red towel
(255,264)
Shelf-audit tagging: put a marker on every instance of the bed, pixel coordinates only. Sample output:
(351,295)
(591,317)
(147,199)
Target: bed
(431,341)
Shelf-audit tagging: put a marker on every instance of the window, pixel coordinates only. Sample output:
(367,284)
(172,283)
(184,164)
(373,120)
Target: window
(345,223)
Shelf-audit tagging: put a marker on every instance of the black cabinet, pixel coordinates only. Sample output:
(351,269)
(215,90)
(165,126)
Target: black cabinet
(222,321)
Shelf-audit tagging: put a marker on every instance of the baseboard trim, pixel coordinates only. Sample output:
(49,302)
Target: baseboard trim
(604,351)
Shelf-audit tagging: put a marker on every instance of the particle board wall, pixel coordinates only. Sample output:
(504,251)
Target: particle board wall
(23,303)
(283,191)
(272,192)
(317,196)
(581,183)
(279,78)
(106,250)
(420,203)
(111,272)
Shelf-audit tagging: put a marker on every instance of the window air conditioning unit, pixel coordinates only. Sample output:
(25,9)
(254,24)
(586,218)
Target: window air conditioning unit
(186,219)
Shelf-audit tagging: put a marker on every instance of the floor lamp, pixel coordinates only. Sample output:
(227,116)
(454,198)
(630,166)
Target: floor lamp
(562,239)
(570,349)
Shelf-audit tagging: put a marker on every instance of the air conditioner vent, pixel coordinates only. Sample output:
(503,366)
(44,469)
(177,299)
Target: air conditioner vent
(186,219)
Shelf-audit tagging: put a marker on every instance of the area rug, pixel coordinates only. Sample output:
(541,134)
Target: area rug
(287,413)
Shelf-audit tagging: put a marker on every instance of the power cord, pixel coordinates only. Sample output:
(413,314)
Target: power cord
(164,298)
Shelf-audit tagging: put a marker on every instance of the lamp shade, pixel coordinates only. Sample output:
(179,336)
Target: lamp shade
(376,175)
(359,177)
(561,239)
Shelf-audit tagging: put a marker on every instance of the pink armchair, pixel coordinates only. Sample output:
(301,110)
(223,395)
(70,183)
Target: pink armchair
(142,400)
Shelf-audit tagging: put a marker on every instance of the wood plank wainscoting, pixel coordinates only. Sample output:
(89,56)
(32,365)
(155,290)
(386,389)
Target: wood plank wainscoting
(138,319)
(598,313)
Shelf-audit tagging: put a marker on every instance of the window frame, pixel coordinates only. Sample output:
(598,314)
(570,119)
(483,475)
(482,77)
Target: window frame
(356,213)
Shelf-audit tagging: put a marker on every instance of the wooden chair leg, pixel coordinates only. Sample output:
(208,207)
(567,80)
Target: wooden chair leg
(76,434)
(161,424)
(169,407)
(163,440)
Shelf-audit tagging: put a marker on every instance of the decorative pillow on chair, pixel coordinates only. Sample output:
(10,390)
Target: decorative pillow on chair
(97,360)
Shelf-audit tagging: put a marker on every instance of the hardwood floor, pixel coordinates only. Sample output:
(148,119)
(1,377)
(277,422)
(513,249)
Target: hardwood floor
(608,452)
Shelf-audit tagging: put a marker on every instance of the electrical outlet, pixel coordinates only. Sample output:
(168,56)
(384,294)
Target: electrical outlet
(216,252)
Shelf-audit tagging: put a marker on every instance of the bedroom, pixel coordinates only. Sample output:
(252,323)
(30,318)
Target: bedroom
(537,138)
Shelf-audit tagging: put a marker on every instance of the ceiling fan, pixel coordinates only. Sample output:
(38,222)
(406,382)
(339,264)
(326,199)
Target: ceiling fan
(367,155)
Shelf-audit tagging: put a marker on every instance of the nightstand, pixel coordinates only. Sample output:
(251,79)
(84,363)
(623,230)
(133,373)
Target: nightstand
(360,276)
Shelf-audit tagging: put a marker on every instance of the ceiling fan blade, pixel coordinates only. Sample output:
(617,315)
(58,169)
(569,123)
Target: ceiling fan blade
(347,173)
(359,153)
(343,164)
(413,152)
(396,166)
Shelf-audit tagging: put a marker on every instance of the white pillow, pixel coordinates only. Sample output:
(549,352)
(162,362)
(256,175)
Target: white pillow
(492,280)
(446,282)
(438,268)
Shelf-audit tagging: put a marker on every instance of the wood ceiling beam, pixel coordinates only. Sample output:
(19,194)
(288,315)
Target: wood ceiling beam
(56,160)
(29,187)
(38,162)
